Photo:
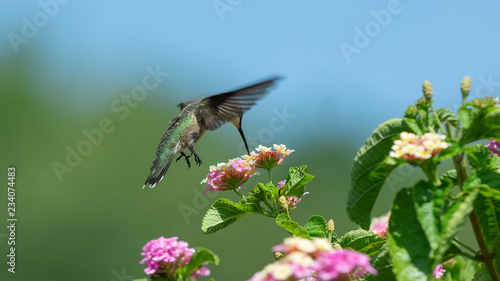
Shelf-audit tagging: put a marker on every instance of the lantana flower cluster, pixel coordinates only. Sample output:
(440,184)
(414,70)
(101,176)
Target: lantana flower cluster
(494,146)
(266,158)
(411,147)
(314,260)
(232,175)
(164,255)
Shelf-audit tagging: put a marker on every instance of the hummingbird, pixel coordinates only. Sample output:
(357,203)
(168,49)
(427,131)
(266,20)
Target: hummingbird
(199,115)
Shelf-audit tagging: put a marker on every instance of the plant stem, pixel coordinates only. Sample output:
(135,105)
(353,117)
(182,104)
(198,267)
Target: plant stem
(449,129)
(238,192)
(461,174)
(267,215)
(271,209)
(269,172)
(465,246)
(438,121)
(430,172)
(486,256)
(471,257)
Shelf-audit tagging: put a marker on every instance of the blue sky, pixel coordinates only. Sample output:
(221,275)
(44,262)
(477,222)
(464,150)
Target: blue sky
(96,48)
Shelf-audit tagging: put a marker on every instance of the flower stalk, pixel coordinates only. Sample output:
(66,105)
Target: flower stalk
(486,256)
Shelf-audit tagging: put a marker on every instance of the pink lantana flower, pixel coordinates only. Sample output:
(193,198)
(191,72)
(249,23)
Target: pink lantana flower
(293,267)
(379,225)
(266,158)
(314,247)
(494,146)
(228,176)
(342,265)
(164,255)
(300,254)
(438,271)
(314,260)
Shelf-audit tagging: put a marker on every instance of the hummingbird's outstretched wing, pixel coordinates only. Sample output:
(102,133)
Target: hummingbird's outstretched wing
(230,107)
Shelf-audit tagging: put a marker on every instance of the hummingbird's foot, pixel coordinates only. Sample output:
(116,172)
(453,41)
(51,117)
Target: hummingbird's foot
(196,157)
(186,157)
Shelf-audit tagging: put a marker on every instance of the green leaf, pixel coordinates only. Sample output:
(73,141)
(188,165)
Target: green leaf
(316,227)
(465,116)
(452,175)
(427,216)
(484,124)
(480,157)
(482,275)
(369,171)
(422,226)
(292,227)
(487,181)
(453,150)
(410,250)
(454,219)
(262,191)
(201,256)
(382,262)
(335,238)
(489,192)
(250,200)
(423,117)
(488,212)
(223,213)
(362,241)
(297,178)
(445,115)
(143,279)
(414,126)
(462,270)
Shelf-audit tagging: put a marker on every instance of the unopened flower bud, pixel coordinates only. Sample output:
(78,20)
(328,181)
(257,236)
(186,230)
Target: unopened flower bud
(411,111)
(427,89)
(484,102)
(465,87)
(283,203)
(422,103)
(337,246)
(330,226)
(278,255)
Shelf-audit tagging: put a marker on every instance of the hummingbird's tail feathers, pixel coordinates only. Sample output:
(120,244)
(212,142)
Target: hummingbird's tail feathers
(158,170)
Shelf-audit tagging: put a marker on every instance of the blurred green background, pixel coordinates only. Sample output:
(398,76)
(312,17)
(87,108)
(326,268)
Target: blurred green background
(90,222)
